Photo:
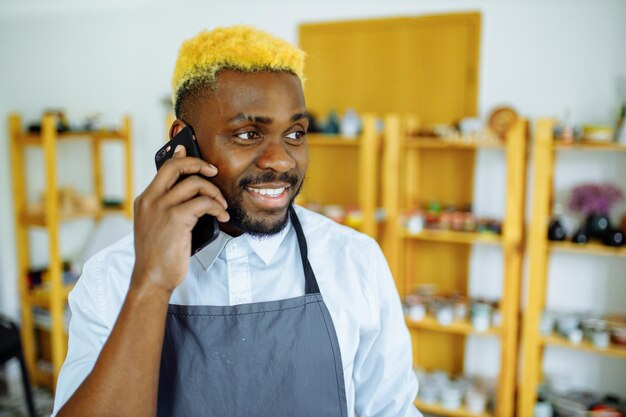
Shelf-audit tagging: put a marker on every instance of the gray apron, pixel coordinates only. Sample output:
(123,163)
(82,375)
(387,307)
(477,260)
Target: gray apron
(276,358)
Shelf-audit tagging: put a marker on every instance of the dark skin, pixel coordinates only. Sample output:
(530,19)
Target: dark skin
(251,132)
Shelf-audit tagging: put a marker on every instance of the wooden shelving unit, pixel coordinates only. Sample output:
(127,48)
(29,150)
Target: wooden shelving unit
(442,411)
(540,249)
(456,327)
(346,171)
(53,296)
(454,237)
(585,345)
(419,170)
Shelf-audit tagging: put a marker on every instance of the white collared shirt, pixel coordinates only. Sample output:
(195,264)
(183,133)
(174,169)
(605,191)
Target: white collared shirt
(352,275)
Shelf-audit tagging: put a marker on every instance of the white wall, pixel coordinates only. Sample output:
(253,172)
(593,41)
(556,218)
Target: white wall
(115,57)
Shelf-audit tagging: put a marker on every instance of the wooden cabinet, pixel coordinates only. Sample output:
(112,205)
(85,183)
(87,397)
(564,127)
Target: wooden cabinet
(52,294)
(426,65)
(540,251)
(417,171)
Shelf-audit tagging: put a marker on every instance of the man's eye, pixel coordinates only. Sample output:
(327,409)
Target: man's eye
(297,135)
(248,135)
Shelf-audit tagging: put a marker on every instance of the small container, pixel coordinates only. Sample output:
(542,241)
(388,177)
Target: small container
(543,409)
(475,401)
(460,310)
(415,223)
(575,336)
(416,312)
(439,378)
(481,316)
(451,396)
(336,213)
(428,395)
(566,323)
(445,221)
(546,325)
(601,338)
(619,335)
(354,217)
(496,315)
(445,314)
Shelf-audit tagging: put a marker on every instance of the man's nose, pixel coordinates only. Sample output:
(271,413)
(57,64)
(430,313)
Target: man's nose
(275,156)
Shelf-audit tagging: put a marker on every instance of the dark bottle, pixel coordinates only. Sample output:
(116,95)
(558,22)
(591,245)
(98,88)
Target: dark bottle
(581,236)
(556,231)
(613,237)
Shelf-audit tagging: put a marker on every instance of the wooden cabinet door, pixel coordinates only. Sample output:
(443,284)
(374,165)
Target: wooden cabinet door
(424,65)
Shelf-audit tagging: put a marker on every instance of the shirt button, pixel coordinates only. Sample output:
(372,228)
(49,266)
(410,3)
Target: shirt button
(232,249)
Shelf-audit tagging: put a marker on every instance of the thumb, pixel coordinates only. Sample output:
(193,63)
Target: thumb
(179,152)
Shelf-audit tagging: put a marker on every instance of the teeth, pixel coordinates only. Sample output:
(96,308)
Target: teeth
(271,192)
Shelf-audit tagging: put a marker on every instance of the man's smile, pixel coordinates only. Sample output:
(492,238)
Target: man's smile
(268,196)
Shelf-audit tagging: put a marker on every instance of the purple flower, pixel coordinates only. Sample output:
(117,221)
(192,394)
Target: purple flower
(594,198)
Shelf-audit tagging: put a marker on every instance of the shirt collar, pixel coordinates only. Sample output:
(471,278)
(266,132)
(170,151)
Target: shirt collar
(264,247)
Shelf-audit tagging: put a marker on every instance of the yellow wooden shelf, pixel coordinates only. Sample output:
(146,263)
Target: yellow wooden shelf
(38,219)
(40,297)
(585,345)
(443,143)
(454,237)
(456,327)
(591,248)
(414,174)
(28,138)
(590,146)
(442,411)
(50,218)
(44,378)
(545,148)
(321,139)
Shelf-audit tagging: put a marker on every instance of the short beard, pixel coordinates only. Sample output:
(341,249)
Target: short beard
(260,228)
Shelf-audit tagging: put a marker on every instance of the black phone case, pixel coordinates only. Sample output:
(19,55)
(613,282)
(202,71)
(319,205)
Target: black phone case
(206,229)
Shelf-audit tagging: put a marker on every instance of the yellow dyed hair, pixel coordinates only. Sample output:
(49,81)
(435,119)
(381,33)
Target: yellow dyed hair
(242,48)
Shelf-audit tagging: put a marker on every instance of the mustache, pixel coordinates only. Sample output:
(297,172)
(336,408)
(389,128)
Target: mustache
(269,176)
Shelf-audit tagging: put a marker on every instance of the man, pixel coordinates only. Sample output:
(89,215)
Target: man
(240,328)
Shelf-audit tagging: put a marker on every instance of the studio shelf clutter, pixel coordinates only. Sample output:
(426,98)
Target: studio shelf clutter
(545,151)
(345,173)
(45,348)
(417,171)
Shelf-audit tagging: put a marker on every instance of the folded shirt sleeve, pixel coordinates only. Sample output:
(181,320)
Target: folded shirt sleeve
(385,384)
(88,331)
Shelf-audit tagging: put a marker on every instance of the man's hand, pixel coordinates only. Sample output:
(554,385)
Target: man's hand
(165,214)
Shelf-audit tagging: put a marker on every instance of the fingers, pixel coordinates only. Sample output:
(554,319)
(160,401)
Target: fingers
(191,187)
(190,211)
(179,165)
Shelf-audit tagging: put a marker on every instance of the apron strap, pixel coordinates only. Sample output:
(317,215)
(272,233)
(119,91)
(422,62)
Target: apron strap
(310,283)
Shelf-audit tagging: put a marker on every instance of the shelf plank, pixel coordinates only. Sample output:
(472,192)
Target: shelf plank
(456,327)
(584,345)
(591,248)
(28,138)
(443,143)
(442,411)
(43,378)
(40,297)
(590,145)
(454,237)
(320,139)
(39,220)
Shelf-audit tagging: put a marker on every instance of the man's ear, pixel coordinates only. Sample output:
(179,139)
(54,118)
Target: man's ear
(177,126)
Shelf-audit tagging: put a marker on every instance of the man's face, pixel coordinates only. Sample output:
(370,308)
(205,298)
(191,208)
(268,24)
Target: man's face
(253,129)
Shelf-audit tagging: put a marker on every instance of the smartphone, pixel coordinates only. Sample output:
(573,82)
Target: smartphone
(207,228)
